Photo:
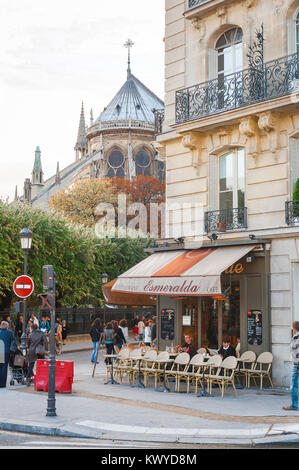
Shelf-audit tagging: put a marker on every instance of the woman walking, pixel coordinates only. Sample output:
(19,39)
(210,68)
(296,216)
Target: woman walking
(124,328)
(96,332)
(148,333)
(119,338)
(109,341)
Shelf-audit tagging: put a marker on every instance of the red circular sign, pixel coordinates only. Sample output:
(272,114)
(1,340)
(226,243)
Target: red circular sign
(23,286)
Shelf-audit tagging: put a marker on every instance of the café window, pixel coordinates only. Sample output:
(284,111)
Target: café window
(232,180)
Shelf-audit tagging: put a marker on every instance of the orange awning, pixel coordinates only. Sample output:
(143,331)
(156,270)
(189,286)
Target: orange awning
(120,298)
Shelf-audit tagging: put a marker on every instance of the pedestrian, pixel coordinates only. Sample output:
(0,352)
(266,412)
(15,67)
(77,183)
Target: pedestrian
(135,327)
(141,327)
(65,331)
(37,348)
(11,323)
(119,338)
(19,328)
(124,327)
(29,327)
(148,333)
(154,329)
(7,343)
(34,319)
(238,347)
(45,325)
(96,332)
(109,341)
(295,368)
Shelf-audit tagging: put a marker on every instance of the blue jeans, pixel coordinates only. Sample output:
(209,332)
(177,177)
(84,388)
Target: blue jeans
(294,387)
(95,350)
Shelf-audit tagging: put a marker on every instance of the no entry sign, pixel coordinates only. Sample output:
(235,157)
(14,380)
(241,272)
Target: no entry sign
(23,286)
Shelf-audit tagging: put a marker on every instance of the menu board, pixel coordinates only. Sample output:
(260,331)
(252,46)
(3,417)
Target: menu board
(255,327)
(167,324)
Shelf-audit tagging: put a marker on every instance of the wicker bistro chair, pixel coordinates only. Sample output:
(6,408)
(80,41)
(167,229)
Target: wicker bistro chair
(202,351)
(245,364)
(157,369)
(122,363)
(209,368)
(195,365)
(180,364)
(261,369)
(228,366)
(146,366)
(132,363)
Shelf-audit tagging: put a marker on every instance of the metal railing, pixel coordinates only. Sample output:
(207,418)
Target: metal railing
(194,3)
(276,78)
(159,119)
(292,212)
(225,219)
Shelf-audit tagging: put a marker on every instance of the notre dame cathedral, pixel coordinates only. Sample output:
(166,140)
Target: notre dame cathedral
(120,142)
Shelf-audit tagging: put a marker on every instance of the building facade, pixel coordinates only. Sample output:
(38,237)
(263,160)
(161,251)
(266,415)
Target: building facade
(229,263)
(231,133)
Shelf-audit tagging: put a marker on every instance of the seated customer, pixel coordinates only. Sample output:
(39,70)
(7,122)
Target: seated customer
(187,347)
(227,349)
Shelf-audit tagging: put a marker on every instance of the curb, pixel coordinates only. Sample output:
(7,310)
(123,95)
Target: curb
(39,430)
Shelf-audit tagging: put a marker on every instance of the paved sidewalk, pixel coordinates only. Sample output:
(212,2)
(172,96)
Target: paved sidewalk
(109,411)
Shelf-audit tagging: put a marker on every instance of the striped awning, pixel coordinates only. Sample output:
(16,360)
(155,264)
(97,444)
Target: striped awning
(181,272)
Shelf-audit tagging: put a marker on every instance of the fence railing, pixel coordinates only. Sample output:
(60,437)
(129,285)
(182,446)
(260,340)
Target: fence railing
(276,78)
(159,119)
(292,212)
(227,219)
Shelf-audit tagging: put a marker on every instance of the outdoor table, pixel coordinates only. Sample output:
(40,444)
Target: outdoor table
(204,392)
(164,387)
(140,384)
(111,380)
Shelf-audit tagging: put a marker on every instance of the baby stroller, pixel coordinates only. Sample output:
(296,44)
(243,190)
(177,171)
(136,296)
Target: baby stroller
(18,368)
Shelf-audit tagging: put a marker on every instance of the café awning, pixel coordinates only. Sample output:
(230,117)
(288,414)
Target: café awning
(129,299)
(181,272)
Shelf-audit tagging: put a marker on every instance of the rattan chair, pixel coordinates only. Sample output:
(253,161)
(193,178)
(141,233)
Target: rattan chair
(122,364)
(246,364)
(158,366)
(147,365)
(228,369)
(261,370)
(193,370)
(180,364)
(202,351)
(209,368)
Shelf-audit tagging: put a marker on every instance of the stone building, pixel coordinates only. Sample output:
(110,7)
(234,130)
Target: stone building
(231,137)
(120,142)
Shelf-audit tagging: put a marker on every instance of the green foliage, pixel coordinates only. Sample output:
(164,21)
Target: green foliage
(296,192)
(78,257)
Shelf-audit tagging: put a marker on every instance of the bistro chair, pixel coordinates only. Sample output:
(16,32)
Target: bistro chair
(209,368)
(262,368)
(135,354)
(147,365)
(246,364)
(180,364)
(228,368)
(122,363)
(202,351)
(158,367)
(194,367)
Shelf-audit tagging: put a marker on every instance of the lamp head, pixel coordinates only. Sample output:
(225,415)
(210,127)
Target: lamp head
(26,238)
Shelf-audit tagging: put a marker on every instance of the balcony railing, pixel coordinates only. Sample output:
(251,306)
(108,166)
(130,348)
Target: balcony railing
(195,3)
(159,119)
(226,219)
(276,78)
(292,212)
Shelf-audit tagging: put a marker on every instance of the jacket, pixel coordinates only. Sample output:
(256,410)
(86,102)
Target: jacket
(109,336)
(295,349)
(8,339)
(119,336)
(230,351)
(95,334)
(37,337)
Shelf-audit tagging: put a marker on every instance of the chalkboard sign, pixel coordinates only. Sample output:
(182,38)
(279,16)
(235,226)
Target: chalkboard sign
(255,327)
(167,324)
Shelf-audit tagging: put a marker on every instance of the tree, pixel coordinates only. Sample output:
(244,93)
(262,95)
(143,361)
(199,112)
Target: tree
(77,255)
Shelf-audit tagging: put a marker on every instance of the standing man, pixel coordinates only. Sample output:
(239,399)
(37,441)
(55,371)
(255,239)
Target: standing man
(37,348)
(7,340)
(295,370)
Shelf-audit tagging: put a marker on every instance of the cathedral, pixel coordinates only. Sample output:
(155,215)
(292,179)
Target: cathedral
(120,142)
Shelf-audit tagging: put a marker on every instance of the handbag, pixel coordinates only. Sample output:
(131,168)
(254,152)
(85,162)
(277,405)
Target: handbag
(19,361)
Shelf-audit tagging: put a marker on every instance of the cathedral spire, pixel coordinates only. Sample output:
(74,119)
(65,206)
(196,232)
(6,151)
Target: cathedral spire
(16,194)
(37,172)
(129,44)
(81,146)
(57,176)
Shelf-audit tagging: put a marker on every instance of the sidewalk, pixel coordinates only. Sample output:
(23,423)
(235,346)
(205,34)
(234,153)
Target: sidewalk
(120,412)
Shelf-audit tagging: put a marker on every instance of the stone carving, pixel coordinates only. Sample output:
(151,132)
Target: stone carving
(249,128)
(221,12)
(198,24)
(269,122)
(193,142)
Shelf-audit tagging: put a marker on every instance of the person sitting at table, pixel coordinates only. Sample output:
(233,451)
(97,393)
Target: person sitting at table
(187,347)
(226,349)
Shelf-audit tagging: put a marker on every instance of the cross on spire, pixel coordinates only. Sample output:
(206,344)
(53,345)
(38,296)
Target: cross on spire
(129,44)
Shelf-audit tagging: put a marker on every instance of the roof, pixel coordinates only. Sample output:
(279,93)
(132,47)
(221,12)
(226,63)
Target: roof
(134,101)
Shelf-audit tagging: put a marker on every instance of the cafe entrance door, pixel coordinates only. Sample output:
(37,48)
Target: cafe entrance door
(221,318)
(190,319)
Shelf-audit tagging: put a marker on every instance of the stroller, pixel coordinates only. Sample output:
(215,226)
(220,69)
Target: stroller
(18,368)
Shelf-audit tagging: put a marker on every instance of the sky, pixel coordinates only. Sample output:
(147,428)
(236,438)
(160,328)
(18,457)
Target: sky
(54,54)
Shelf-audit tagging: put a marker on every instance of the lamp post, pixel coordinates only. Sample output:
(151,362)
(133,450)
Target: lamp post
(104,281)
(26,237)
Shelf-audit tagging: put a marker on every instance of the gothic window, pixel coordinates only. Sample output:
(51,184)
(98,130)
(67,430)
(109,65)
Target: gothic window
(116,162)
(143,162)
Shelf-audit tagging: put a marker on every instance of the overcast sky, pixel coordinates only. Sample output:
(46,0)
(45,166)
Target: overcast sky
(54,54)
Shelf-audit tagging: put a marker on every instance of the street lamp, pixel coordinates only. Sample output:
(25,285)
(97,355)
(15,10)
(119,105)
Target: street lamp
(104,281)
(26,237)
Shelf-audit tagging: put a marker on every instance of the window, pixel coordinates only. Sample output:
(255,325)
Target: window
(116,162)
(232,180)
(143,161)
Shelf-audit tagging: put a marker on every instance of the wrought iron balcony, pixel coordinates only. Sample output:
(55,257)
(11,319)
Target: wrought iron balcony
(292,212)
(195,3)
(270,80)
(159,119)
(226,219)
